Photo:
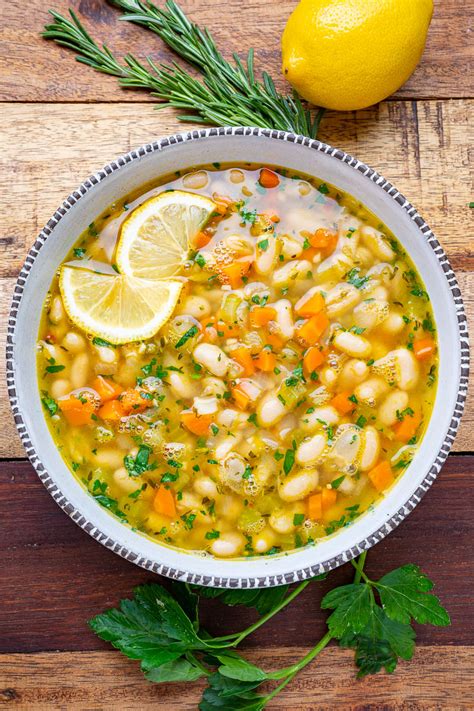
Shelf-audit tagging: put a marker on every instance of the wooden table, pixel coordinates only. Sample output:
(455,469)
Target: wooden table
(61,122)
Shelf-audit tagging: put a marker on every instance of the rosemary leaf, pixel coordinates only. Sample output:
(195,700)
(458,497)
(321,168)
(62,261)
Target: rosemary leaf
(226,93)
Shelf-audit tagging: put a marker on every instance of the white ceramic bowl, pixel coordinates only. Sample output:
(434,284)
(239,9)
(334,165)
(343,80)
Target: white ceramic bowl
(227,145)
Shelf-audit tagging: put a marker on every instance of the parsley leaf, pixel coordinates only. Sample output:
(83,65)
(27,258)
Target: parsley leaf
(352,605)
(139,464)
(404,594)
(354,278)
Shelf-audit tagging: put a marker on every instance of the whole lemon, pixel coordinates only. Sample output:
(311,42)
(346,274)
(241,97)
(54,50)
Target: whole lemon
(349,54)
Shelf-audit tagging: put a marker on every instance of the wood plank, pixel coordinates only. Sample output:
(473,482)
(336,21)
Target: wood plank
(437,677)
(66,577)
(423,148)
(54,76)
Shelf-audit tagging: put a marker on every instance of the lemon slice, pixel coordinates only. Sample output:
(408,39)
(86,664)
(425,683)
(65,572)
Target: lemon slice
(155,238)
(118,308)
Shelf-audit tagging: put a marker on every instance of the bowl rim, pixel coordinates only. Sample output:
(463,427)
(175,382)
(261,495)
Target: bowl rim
(268,579)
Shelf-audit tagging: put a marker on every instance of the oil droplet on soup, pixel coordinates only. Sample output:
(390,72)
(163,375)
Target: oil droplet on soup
(286,394)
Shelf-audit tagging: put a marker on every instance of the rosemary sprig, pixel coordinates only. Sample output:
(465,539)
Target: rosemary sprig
(226,93)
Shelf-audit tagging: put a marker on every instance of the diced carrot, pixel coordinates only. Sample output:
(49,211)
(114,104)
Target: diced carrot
(328,498)
(381,476)
(273,217)
(217,327)
(324,240)
(268,179)
(112,410)
(234,272)
(265,361)
(275,341)
(197,424)
(312,329)
(261,315)
(310,307)
(315,506)
(163,502)
(309,253)
(406,429)
(107,389)
(132,401)
(312,359)
(342,403)
(201,240)
(78,411)
(241,399)
(424,348)
(243,357)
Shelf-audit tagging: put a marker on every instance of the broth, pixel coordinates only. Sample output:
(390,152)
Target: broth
(282,398)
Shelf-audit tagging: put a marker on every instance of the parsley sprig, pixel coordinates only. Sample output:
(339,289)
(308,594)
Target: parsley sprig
(162,629)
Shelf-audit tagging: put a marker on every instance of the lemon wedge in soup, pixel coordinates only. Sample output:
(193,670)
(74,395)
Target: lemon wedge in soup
(155,238)
(117,307)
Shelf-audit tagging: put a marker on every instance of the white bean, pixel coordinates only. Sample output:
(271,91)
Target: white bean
(297,486)
(213,386)
(196,306)
(291,247)
(310,449)
(370,449)
(371,390)
(333,268)
(284,318)
(291,271)
(377,243)
(228,544)
(106,354)
(196,181)
(229,506)
(328,377)
(263,541)
(393,324)
(370,313)
(267,259)
(226,445)
(341,298)
(127,483)
(236,176)
(396,401)
(320,417)
(56,310)
(80,370)
(205,487)
(60,387)
(400,367)
(181,385)
(206,405)
(212,358)
(109,457)
(231,418)
(352,344)
(270,410)
(74,342)
(282,521)
(353,372)
(189,500)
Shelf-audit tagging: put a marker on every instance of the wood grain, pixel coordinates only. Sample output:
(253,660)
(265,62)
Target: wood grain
(422,147)
(54,577)
(445,70)
(92,681)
